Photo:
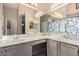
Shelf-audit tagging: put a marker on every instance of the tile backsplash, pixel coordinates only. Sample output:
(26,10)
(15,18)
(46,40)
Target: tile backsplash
(70,26)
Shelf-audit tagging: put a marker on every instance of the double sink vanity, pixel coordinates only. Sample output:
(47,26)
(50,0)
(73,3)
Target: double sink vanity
(38,44)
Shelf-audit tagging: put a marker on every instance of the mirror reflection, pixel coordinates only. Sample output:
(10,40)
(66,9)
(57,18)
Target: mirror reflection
(17,18)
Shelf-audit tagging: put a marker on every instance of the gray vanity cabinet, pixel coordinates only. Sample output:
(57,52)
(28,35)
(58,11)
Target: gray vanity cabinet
(68,50)
(26,49)
(55,48)
(11,51)
(0,51)
(51,48)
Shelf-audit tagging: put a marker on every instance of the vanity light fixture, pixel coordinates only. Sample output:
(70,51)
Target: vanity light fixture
(28,5)
(34,4)
(57,15)
(38,14)
(56,6)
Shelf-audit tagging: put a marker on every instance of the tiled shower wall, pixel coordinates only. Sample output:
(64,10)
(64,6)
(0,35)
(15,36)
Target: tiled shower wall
(70,26)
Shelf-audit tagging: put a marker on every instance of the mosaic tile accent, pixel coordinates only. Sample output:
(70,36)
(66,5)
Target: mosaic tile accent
(53,26)
(69,25)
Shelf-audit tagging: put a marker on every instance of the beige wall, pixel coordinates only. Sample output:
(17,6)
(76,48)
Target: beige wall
(72,9)
(67,10)
(29,14)
(1,19)
(10,13)
(62,11)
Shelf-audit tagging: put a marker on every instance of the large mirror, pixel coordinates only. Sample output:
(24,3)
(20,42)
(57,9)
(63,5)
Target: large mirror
(20,19)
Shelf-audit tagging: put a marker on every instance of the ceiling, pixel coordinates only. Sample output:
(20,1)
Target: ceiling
(45,7)
(11,5)
(42,8)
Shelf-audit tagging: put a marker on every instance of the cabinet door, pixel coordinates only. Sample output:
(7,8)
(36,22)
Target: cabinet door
(68,50)
(0,51)
(51,48)
(26,49)
(11,51)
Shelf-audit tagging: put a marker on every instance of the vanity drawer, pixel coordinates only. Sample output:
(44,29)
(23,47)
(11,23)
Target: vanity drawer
(38,42)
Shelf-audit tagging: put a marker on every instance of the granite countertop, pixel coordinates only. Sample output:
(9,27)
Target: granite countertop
(17,39)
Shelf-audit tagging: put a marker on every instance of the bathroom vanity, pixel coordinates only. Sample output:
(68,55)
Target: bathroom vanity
(39,45)
(56,48)
(34,48)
